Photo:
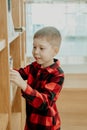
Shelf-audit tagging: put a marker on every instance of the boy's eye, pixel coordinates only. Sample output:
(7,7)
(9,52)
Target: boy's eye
(42,48)
(34,47)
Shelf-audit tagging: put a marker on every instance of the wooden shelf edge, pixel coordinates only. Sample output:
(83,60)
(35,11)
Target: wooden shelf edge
(3,121)
(16,121)
(2,44)
(13,37)
(22,32)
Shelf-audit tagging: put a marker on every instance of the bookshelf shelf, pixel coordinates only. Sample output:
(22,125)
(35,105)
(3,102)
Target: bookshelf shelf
(13,37)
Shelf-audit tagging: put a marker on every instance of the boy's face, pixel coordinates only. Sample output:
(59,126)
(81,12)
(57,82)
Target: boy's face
(43,52)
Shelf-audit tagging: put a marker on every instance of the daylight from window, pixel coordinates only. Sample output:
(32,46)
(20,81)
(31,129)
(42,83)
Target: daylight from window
(71,21)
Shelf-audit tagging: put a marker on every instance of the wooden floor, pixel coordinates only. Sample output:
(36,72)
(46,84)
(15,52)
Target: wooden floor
(72,106)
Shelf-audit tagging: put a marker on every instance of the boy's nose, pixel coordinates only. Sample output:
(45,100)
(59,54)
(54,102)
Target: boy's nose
(36,51)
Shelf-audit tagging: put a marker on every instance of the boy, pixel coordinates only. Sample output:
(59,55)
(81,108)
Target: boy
(44,81)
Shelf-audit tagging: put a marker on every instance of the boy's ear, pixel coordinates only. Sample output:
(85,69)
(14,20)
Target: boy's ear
(56,50)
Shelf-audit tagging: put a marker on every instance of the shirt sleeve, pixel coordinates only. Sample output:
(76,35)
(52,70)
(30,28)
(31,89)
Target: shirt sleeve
(24,72)
(49,95)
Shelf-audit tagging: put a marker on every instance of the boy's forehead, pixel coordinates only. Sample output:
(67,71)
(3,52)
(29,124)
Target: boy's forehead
(41,41)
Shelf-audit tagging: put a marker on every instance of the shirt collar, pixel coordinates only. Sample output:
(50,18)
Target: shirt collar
(50,68)
(54,66)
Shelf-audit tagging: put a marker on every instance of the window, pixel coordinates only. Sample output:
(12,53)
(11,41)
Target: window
(70,19)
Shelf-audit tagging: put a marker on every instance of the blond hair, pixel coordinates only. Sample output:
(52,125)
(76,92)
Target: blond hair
(51,34)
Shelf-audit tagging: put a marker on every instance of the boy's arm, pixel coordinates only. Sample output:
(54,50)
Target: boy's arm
(24,72)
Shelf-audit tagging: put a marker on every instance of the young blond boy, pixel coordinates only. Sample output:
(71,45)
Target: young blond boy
(44,81)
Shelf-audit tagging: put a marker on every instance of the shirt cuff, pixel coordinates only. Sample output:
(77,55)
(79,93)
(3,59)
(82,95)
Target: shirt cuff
(28,90)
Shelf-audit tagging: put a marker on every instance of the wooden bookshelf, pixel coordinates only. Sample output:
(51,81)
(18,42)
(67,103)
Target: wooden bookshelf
(11,44)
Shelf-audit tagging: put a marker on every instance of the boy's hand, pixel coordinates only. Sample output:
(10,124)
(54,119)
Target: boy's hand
(16,78)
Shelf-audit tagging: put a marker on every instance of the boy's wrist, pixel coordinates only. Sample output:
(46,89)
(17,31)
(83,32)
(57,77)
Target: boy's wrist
(24,86)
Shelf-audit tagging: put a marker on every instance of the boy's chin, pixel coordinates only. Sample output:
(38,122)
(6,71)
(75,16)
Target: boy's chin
(39,62)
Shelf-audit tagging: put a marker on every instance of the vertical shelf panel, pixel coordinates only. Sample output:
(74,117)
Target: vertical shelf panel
(16,121)
(15,52)
(16,55)
(23,36)
(16,105)
(3,19)
(4,64)
(23,46)
(4,81)
(4,86)
(16,13)
(3,121)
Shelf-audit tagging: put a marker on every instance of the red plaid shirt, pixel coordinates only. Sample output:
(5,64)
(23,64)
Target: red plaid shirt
(44,86)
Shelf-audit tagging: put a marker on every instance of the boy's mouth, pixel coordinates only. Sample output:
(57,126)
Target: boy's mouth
(37,58)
